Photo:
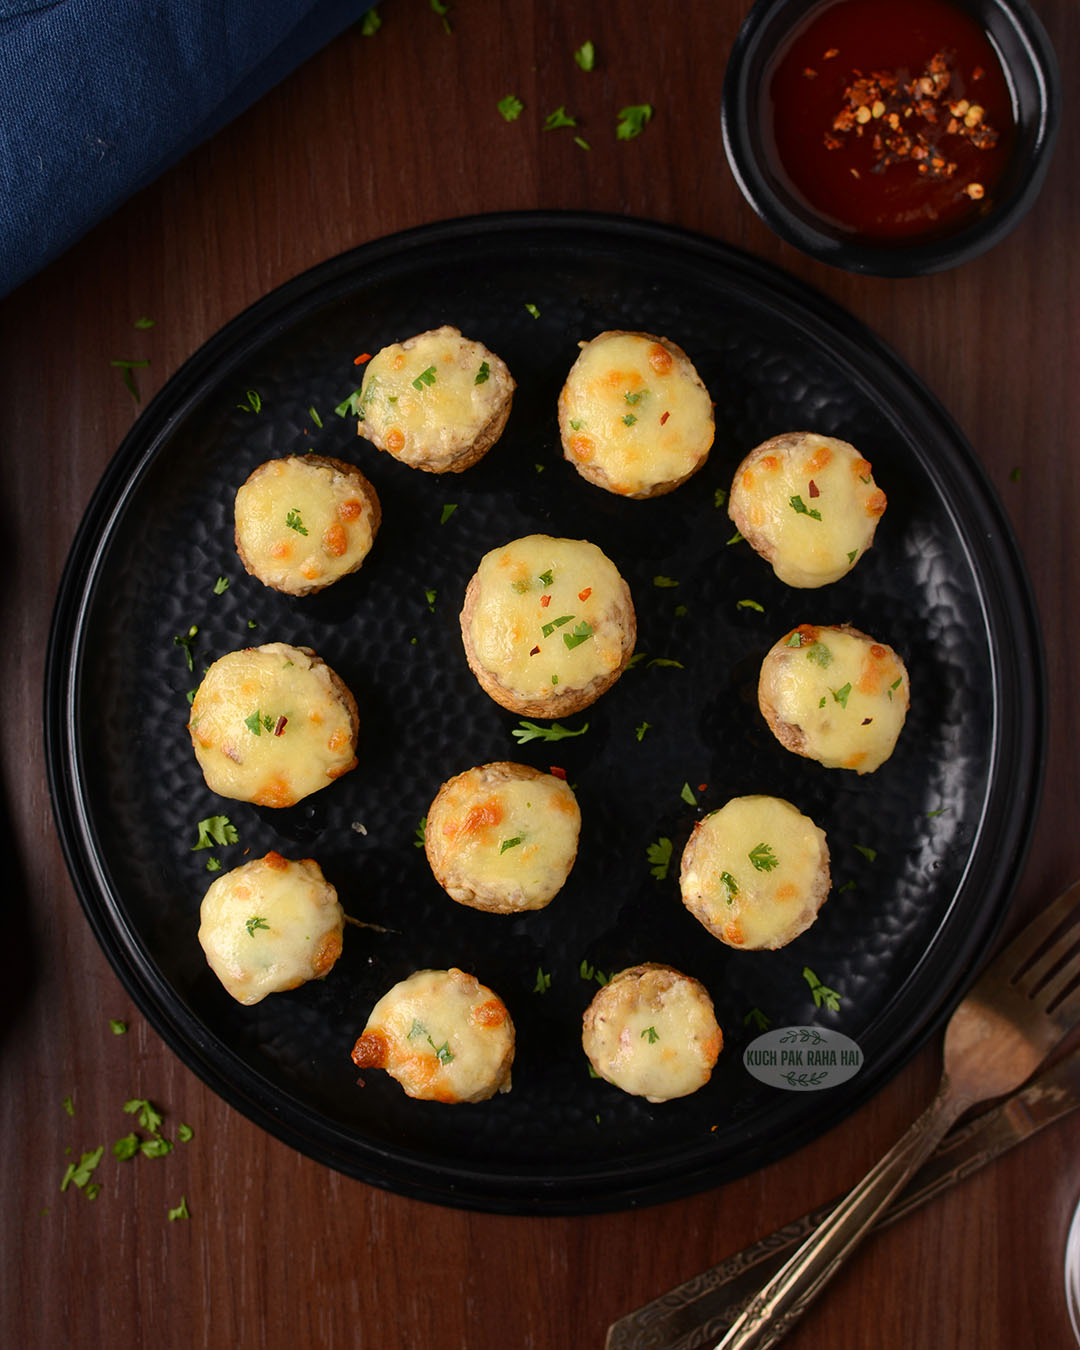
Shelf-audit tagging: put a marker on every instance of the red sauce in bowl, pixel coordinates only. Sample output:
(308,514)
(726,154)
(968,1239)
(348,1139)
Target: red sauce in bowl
(891,119)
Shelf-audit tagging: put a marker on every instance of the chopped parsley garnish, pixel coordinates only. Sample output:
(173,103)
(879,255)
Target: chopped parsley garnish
(750,604)
(665,583)
(576,426)
(129,380)
(659,856)
(511,843)
(426,377)
(68,1105)
(510,107)
(447,511)
(755,1017)
(149,1116)
(221,585)
(736,538)
(442,1052)
(144,323)
(847,886)
(78,1174)
(548,628)
(1014,474)
(253,403)
(632,121)
(680,611)
(635,398)
(532,310)
(821,701)
(187,641)
(795,640)
(184,1132)
(421,833)
(939,812)
(314,415)
(665,661)
(559,118)
(349,405)
(841,695)
(763,858)
(590,972)
(442,9)
(582,142)
(732,886)
(293,521)
(545,578)
(821,992)
(543,981)
(483,374)
(585,56)
(213,864)
(820,655)
(256,921)
(181,1210)
(652,1034)
(629,420)
(429,596)
(870,854)
(215,832)
(417,1029)
(719,497)
(578,634)
(895,684)
(641,729)
(370,23)
(127,1147)
(853,555)
(257,721)
(529,731)
(687,795)
(117,1027)
(801,508)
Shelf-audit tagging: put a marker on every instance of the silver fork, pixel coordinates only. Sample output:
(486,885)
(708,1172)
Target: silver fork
(1026,1000)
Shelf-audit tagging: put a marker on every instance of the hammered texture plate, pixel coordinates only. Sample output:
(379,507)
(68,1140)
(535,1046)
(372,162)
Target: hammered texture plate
(924,852)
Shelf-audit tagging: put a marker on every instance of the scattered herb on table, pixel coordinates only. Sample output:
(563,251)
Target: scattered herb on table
(529,731)
(221,585)
(510,107)
(641,729)
(687,794)
(665,583)
(585,55)
(349,405)
(370,23)
(559,118)
(117,1027)
(750,604)
(821,992)
(421,833)
(632,121)
(543,981)
(181,1210)
(448,510)
(659,856)
(756,1018)
(215,831)
(187,641)
(252,401)
(870,854)
(129,379)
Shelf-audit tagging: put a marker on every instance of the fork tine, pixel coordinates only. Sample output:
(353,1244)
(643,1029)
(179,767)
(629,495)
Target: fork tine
(1067,1013)
(1028,941)
(1034,976)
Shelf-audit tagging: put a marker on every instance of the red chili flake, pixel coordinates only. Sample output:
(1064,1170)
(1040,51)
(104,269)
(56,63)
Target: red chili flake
(664,418)
(810,73)
(814,491)
(359,360)
(978,73)
(833,51)
(584,595)
(534,651)
(556,772)
(545,600)
(281,722)
(702,787)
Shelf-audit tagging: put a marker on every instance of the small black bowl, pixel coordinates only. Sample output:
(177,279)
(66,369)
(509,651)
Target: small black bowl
(1034,81)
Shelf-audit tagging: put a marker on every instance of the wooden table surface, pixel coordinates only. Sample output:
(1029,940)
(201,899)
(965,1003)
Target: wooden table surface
(374,135)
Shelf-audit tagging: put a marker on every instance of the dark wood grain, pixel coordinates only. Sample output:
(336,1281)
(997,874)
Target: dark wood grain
(375,135)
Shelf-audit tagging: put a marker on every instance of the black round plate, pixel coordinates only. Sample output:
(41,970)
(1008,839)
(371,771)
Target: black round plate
(924,852)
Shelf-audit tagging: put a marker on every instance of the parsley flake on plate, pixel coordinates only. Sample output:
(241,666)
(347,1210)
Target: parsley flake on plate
(632,121)
(510,107)
(585,55)
(215,831)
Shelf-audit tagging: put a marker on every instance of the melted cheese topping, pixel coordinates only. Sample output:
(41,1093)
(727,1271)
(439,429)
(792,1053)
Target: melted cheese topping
(548,614)
(427,400)
(269,725)
(503,837)
(635,410)
(652,1032)
(302,523)
(847,694)
(270,925)
(813,503)
(755,872)
(443,1035)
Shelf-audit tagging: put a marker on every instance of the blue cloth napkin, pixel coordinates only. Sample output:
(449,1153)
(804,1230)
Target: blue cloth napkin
(98,97)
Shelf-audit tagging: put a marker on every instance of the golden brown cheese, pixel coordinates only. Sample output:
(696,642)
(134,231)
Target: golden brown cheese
(270,925)
(634,415)
(808,504)
(548,624)
(652,1031)
(835,695)
(756,872)
(437,401)
(304,521)
(443,1035)
(503,837)
(272,724)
